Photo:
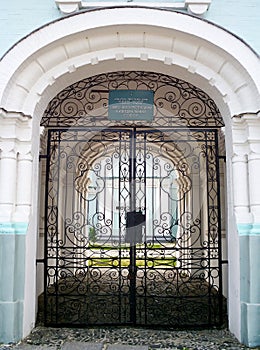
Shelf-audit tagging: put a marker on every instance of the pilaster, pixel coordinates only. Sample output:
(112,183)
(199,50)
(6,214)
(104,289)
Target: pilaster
(15,166)
(23,189)
(15,201)
(246,187)
(254,184)
(240,186)
(8,160)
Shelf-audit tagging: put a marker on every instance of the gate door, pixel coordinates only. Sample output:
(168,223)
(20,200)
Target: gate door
(132,227)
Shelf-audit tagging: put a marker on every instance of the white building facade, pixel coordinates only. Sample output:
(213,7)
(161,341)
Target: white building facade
(115,39)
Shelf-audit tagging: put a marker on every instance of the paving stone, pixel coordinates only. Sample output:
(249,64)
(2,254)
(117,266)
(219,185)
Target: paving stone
(34,347)
(82,346)
(127,347)
(110,338)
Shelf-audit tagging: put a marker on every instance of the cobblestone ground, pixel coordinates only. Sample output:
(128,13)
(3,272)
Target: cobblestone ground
(132,338)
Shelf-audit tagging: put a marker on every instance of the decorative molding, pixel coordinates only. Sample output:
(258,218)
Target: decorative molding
(68,6)
(247,114)
(13,228)
(14,114)
(195,7)
(111,34)
(15,126)
(246,130)
(252,229)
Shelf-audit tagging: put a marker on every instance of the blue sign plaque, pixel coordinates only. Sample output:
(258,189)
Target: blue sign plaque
(130,105)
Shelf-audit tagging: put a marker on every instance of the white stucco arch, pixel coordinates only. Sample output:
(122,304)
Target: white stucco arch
(111,39)
(57,54)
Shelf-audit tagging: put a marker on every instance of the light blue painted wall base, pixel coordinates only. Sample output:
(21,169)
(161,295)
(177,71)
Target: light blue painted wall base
(250,324)
(248,229)
(11,321)
(13,228)
(250,285)
(12,277)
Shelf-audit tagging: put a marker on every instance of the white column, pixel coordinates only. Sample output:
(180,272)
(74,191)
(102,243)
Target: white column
(7,182)
(15,132)
(15,136)
(23,187)
(254,185)
(240,187)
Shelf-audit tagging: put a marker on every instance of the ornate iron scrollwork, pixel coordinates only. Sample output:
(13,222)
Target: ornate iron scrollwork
(166,170)
(95,273)
(176,102)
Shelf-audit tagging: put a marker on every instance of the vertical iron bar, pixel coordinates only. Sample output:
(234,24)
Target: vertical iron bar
(114,186)
(47,177)
(209,227)
(220,296)
(105,176)
(57,232)
(145,209)
(132,269)
(154,190)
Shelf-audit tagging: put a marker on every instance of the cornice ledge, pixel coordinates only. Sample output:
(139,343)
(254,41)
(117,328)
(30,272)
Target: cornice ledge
(10,115)
(246,116)
(195,7)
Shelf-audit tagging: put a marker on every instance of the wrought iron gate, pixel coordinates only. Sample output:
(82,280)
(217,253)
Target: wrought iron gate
(132,222)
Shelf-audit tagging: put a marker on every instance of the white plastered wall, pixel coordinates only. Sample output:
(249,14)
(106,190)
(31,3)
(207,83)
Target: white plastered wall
(113,39)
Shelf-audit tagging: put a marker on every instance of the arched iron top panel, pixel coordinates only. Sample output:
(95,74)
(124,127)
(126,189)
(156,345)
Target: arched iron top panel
(176,102)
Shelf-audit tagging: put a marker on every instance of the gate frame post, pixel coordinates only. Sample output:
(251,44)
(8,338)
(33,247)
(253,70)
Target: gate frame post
(15,207)
(246,189)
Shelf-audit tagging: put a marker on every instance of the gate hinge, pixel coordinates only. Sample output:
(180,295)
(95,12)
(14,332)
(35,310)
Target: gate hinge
(40,261)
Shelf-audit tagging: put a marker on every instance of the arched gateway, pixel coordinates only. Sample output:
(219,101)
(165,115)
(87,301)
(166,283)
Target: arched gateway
(164,171)
(132,221)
